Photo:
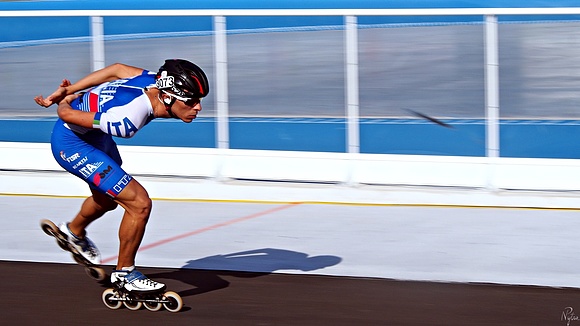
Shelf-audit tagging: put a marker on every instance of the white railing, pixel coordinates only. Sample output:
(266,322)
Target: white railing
(489,16)
(296,12)
(352,168)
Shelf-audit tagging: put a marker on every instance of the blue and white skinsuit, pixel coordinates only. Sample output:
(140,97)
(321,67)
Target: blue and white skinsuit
(121,109)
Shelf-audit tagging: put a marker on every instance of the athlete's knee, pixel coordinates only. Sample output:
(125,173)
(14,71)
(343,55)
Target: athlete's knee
(135,200)
(141,207)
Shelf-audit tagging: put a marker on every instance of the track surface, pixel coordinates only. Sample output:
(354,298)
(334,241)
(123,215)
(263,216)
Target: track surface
(325,247)
(61,294)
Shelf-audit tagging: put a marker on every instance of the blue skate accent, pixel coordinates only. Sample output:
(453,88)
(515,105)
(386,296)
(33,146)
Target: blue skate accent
(134,275)
(85,243)
(75,238)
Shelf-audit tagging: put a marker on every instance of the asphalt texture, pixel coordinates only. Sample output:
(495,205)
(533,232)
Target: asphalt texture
(62,294)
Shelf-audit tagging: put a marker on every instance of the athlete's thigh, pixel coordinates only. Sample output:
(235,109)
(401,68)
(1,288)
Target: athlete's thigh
(94,166)
(134,197)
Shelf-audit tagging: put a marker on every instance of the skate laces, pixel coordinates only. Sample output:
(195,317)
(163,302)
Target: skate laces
(87,246)
(136,276)
(135,281)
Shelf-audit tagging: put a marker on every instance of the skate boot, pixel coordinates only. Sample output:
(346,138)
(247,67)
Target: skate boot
(135,282)
(134,290)
(84,246)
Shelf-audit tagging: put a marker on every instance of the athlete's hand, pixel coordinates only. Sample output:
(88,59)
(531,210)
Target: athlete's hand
(56,97)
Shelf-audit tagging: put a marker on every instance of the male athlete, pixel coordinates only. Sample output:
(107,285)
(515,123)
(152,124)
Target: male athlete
(118,101)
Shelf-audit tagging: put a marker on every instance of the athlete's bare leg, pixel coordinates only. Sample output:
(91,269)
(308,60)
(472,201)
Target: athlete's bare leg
(92,208)
(137,204)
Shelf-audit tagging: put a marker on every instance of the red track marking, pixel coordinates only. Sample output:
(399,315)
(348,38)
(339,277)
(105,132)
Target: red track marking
(209,228)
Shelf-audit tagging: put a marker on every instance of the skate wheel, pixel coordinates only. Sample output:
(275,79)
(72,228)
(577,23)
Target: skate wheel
(49,227)
(109,297)
(62,245)
(52,230)
(77,259)
(96,273)
(132,305)
(174,302)
(152,306)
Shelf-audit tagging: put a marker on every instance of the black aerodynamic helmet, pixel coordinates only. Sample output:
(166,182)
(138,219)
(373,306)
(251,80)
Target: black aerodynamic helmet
(182,78)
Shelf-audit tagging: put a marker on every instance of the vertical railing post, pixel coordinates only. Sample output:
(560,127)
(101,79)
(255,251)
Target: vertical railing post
(352,95)
(221,93)
(352,86)
(491,86)
(221,76)
(491,97)
(97,43)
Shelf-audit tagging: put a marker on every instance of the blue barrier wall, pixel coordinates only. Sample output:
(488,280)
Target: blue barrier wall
(546,139)
(518,138)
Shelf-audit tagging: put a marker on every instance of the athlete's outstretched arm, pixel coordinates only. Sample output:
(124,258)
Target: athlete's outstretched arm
(112,72)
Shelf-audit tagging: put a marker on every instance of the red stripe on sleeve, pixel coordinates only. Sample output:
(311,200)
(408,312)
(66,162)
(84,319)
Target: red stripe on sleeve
(94,102)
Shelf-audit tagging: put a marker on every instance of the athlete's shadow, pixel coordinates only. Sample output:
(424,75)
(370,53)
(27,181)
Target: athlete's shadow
(205,274)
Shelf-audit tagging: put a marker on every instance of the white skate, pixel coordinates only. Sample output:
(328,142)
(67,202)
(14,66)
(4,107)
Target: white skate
(134,290)
(134,281)
(85,247)
(89,258)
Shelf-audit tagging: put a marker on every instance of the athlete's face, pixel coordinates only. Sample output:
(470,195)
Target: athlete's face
(186,110)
